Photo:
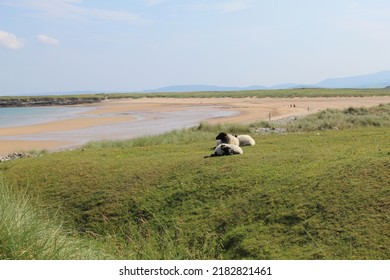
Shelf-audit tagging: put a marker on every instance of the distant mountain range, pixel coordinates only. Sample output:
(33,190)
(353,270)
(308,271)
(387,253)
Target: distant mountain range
(376,80)
(189,88)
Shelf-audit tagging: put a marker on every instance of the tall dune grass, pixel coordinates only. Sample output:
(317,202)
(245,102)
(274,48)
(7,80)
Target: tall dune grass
(27,233)
(201,132)
(377,116)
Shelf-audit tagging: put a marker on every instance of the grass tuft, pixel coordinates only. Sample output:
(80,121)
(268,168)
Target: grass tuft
(27,233)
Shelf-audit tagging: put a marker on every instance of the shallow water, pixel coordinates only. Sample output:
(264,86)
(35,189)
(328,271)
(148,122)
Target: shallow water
(144,124)
(20,116)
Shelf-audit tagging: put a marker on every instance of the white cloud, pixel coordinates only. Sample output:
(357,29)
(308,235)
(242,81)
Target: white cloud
(113,15)
(225,6)
(235,6)
(48,40)
(73,9)
(153,2)
(10,41)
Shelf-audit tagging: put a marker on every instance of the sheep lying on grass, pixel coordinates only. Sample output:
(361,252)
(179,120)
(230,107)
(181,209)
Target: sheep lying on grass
(225,138)
(226,150)
(245,140)
(239,140)
(229,144)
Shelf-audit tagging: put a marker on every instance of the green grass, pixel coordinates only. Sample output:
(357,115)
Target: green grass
(282,93)
(181,136)
(305,195)
(29,233)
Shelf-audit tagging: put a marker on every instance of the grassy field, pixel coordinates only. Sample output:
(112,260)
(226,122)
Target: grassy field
(280,93)
(315,193)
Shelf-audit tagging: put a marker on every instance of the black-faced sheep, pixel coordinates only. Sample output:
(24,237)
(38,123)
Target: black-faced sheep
(246,140)
(226,150)
(225,138)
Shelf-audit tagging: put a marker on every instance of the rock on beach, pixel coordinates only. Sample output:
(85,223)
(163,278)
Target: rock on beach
(16,155)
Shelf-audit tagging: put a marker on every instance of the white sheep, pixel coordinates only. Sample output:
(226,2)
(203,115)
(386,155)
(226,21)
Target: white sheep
(246,140)
(227,139)
(225,150)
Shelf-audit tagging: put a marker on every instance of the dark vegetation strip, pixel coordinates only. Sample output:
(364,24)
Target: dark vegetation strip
(284,93)
(46,101)
(13,101)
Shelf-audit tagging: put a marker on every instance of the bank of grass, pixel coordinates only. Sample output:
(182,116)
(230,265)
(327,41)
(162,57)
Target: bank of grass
(330,119)
(309,195)
(378,116)
(201,132)
(280,93)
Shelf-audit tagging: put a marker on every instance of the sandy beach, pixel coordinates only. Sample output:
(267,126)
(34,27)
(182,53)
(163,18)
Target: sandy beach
(111,118)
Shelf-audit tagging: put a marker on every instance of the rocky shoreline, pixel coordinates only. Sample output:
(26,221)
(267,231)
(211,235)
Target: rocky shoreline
(16,155)
(46,101)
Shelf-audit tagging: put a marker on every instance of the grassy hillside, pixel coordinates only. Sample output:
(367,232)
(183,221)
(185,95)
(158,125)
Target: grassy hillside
(281,93)
(305,195)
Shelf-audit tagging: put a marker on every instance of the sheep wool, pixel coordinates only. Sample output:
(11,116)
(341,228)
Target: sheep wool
(246,140)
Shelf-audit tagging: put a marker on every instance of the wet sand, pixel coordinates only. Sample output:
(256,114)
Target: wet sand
(129,118)
(62,125)
(10,146)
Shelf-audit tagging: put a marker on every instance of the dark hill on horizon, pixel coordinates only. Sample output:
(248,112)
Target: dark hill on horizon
(376,80)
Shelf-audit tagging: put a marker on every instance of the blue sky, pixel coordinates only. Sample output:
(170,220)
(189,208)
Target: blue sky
(129,45)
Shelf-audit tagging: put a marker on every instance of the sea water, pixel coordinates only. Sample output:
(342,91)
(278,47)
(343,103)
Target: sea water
(20,116)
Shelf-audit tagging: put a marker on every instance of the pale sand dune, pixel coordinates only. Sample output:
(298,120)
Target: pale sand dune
(120,111)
